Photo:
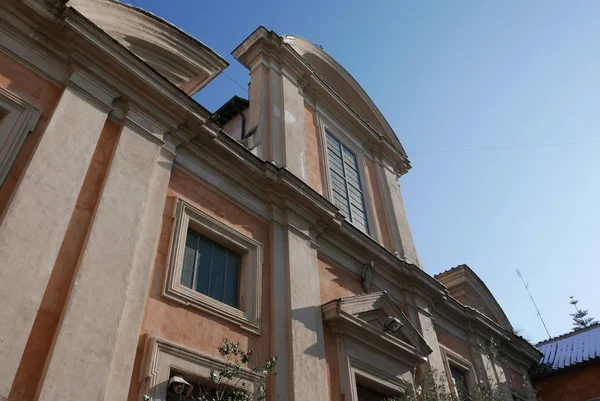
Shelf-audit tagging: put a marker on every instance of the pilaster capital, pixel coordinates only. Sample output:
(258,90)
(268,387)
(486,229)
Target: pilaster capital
(92,89)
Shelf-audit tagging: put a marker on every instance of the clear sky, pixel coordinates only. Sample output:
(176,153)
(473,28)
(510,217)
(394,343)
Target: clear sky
(456,75)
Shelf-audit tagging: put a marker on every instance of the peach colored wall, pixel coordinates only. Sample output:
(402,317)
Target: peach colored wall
(32,87)
(188,326)
(337,282)
(38,348)
(313,146)
(449,341)
(376,195)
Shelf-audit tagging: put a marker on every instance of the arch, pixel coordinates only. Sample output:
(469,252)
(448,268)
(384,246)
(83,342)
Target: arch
(183,60)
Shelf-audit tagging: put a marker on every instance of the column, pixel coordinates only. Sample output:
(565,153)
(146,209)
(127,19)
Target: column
(95,342)
(36,220)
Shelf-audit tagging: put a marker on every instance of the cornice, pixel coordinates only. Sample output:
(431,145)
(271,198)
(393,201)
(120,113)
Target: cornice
(134,78)
(268,44)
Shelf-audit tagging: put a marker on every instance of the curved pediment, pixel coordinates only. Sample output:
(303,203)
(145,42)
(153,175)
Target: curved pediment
(466,286)
(345,86)
(183,60)
(363,316)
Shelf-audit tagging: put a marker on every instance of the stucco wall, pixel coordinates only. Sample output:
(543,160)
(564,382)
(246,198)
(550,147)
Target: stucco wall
(578,384)
(313,149)
(188,326)
(455,344)
(33,88)
(336,282)
(46,323)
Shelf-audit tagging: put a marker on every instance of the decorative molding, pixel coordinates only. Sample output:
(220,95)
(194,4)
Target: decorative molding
(380,377)
(161,357)
(17,119)
(248,317)
(182,59)
(344,316)
(452,359)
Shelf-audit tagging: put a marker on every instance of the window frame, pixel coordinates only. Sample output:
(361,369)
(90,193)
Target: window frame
(453,360)
(17,119)
(228,253)
(248,315)
(163,358)
(326,126)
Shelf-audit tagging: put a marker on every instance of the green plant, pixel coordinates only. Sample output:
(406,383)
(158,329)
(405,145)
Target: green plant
(580,319)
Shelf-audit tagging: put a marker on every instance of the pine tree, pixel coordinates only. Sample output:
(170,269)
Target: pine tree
(580,319)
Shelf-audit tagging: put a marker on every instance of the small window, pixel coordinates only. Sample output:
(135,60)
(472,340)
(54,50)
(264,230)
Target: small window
(214,268)
(459,382)
(346,188)
(211,269)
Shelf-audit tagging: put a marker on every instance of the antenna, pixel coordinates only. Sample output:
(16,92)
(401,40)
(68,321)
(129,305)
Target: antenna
(533,302)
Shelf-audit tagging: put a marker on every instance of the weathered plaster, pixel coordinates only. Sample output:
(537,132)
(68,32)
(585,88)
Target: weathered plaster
(52,181)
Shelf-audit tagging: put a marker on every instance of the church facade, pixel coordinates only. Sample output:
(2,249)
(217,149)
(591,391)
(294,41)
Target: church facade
(138,230)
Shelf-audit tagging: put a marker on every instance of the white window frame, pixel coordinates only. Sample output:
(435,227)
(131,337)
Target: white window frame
(162,357)
(325,126)
(17,119)
(452,359)
(248,315)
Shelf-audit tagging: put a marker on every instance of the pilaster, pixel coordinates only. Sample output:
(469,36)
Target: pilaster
(426,321)
(36,220)
(297,318)
(276,115)
(396,214)
(101,321)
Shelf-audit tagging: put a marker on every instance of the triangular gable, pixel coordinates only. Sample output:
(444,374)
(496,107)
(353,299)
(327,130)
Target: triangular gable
(362,316)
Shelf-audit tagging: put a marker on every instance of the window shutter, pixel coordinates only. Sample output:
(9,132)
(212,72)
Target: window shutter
(346,187)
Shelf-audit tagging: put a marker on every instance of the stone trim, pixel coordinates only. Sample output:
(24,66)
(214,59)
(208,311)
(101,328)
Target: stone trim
(161,356)
(452,359)
(325,125)
(17,119)
(381,379)
(248,317)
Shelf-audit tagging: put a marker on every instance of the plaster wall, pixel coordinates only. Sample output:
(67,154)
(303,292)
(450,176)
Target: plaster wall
(185,325)
(382,224)
(32,87)
(455,344)
(39,344)
(336,282)
(234,126)
(313,145)
(51,182)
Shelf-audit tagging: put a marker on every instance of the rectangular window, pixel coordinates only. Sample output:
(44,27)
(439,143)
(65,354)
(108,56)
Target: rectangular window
(459,382)
(346,187)
(211,269)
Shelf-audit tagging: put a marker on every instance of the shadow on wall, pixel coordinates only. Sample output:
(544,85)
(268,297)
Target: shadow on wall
(311,317)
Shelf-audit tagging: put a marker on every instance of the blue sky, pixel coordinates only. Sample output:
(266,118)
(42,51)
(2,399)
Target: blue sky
(459,75)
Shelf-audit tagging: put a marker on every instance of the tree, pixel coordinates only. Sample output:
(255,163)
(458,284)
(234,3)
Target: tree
(580,319)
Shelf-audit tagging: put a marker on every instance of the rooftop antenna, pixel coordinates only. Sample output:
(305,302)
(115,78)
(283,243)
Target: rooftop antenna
(533,302)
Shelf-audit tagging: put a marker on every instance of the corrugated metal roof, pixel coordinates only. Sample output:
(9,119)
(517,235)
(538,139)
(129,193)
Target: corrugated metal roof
(570,349)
